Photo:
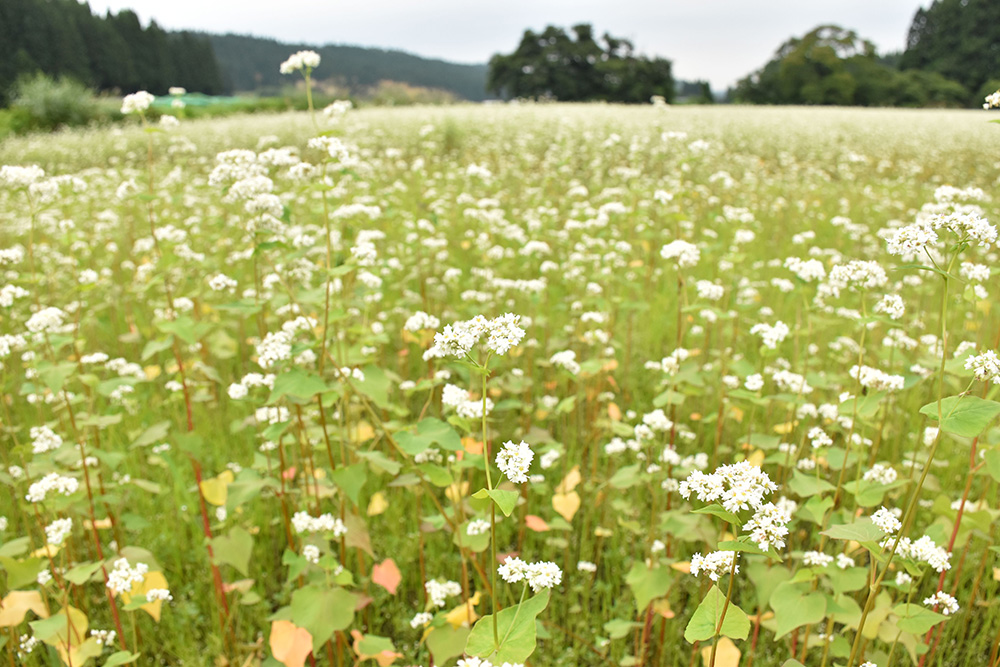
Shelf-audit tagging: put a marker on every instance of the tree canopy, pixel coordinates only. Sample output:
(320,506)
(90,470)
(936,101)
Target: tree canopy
(831,65)
(579,67)
(63,38)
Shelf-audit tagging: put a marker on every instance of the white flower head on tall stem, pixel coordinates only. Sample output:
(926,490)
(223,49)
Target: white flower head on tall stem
(514,461)
(686,254)
(300,60)
(137,102)
(457,339)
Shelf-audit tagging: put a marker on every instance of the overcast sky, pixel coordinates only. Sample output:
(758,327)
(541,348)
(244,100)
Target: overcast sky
(718,40)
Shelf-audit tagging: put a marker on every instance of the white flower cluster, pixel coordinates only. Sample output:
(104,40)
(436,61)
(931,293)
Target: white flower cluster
(44,439)
(566,359)
(104,637)
(876,379)
(239,390)
(789,381)
(439,591)
(477,527)
(992,100)
(220,282)
(137,102)
(158,594)
(46,320)
(123,577)
(709,291)
(986,366)
(881,473)
(311,553)
(514,461)
(969,226)
(671,364)
(911,240)
(57,531)
(948,604)
(300,60)
(739,486)
(303,522)
(807,270)
(421,619)
(421,320)
(479,662)
(816,559)
(276,346)
(769,526)
(892,305)
(715,564)
(886,521)
(687,254)
(458,339)
(857,274)
(923,550)
(21,177)
(51,482)
(543,574)
(458,398)
(771,335)
(818,438)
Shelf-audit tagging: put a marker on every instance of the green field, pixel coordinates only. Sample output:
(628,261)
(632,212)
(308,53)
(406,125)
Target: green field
(229,302)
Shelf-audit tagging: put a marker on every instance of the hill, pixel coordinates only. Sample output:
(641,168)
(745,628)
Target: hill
(251,64)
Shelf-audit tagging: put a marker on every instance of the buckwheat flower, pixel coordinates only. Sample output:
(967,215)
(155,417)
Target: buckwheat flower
(548,459)
(21,177)
(544,574)
(566,359)
(311,553)
(276,346)
(768,526)
(844,561)
(715,564)
(137,102)
(807,270)
(857,274)
(876,379)
(57,531)
(123,576)
(300,60)
(303,522)
(43,577)
(221,282)
(439,592)
(10,293)
(867,663)
(985,366)
(687,254)
(816,559)
(886,521)
(421,320)
(477,527)
(818,438)
(237,391)
(513,570)
(44,439)
(421,619)
(514,460)
(891,305)
(948,604)
(903,579)
(930,435)
(586,566)
(104,637)
(881,473)
(754,382)
(771,335)
(158,594)
(53,482)
(911,240)
(46,320)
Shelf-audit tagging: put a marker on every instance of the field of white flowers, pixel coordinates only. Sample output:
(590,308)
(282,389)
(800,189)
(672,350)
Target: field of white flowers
(545,385)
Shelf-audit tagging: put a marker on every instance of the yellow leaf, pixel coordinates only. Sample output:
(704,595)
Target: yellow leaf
(464,613)
(614,412)
(472,446)
(756,458)
(48,551)
(362,431)
(566,504)
(377,504)
(15,606)
(152,580)
(736,413)
(290,645)
(152,372)
(215,489)
(457,491)
(682,566)
(99,524)
(726,655)
(996,574)
(570,481)
(786,428)
(383,658)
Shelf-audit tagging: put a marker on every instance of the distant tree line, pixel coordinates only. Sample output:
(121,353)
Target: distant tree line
(579,68)
(63,38)
(952,59)
(251,64)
